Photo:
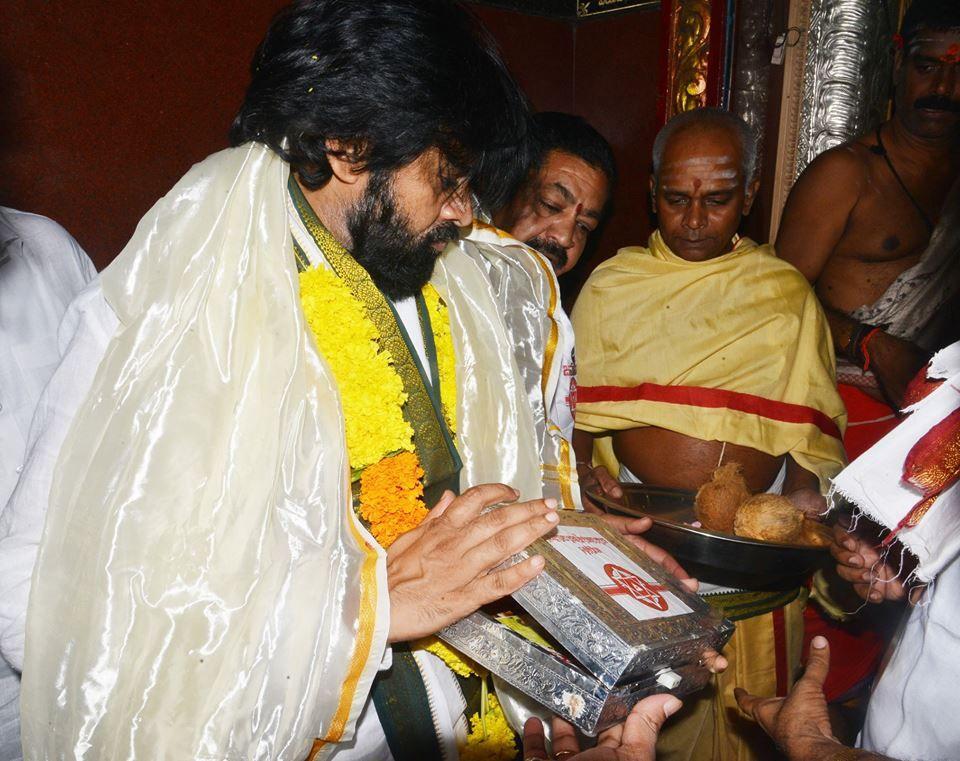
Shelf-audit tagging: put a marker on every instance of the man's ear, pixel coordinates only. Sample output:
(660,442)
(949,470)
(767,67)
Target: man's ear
(751,195)
(344,160)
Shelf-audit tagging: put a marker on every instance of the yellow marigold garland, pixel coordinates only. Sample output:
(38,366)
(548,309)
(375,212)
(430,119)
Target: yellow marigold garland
(457,662)
(371,392)
(490,737)
(379,438)
(380,450)
(446,358)
(391,497)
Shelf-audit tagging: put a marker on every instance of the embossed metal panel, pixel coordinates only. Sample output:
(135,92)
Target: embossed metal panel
(847,73)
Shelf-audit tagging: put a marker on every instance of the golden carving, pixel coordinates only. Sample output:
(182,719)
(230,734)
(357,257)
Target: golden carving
(688,61)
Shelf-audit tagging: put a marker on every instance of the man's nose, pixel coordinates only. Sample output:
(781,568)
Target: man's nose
(947,82)
(457,208)
(696,217)
(562,230)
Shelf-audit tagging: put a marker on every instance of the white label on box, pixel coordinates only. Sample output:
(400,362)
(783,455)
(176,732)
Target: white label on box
(605,565)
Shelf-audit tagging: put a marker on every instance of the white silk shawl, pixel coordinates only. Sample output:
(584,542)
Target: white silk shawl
(203,589)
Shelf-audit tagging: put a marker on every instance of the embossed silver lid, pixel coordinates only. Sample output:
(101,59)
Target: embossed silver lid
(629,628)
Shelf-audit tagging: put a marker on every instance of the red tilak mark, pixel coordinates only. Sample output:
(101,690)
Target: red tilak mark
(697,184)
(952,55)
(579,209)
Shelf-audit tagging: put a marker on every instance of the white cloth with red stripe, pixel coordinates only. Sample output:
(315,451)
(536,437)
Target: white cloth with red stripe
(912,711)
(873,482)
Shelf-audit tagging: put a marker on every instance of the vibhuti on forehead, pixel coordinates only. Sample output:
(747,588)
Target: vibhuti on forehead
(952,54)
(717,174)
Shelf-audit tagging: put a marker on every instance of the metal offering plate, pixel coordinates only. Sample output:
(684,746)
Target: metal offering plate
(713,556)
(611,627)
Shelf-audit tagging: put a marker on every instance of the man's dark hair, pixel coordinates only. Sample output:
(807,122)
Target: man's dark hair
(572,134)
(932,15)
(389,80)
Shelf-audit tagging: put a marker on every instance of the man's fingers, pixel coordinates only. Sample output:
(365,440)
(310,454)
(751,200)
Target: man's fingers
(762,710)
(498,520)
(868,592)
(534,745)
(563,738)
(636,526)
(509,540)
(853,575)
(446,499)
(639,738)
(468,505)
(608,483)
(714,662)
(746,701)
(501,583)
(849,559)
(818,663)
(690,584)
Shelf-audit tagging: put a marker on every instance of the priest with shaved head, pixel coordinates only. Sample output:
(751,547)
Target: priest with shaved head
(701,349)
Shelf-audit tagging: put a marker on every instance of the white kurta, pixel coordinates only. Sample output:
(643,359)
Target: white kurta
(912,712)
(42,268)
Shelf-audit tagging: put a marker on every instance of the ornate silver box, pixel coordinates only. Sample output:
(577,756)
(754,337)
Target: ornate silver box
(602,627)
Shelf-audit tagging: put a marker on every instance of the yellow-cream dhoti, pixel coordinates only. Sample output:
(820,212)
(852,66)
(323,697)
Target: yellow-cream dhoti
(732,349)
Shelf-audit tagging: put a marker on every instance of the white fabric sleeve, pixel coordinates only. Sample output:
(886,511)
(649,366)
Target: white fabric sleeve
(85,331)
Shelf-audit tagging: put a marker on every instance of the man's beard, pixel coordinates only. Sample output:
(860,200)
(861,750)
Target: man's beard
(399,262)
(556,253)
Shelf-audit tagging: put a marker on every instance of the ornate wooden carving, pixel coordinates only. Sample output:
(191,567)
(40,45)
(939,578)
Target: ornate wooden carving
(693,54)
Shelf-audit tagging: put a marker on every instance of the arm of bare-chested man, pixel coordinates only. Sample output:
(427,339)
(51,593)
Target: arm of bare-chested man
(815,220)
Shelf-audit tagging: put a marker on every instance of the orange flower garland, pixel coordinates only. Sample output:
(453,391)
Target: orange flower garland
(391,497)
(379,439)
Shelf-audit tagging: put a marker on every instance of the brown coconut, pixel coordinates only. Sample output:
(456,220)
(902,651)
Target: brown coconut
(815,534)
(769,517)
(718,499)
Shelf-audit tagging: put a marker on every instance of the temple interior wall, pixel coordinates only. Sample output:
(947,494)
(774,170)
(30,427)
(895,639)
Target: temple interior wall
(106,105)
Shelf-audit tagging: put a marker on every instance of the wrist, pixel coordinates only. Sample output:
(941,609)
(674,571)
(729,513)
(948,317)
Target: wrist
(819,749)
(865,347)
(861,334)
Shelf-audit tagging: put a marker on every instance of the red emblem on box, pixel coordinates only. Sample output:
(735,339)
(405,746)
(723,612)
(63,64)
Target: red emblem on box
(627,583)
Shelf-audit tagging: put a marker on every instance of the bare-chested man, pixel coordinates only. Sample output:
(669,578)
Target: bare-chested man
(705,347)
(875,225)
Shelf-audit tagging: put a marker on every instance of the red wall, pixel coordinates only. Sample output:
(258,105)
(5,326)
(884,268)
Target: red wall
(606,70)
(615,89)
(539,52)
(105,105)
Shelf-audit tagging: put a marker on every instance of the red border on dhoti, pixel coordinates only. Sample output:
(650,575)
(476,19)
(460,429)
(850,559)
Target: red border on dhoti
(714,398)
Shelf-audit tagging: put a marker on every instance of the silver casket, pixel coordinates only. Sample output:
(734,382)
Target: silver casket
(601,627)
